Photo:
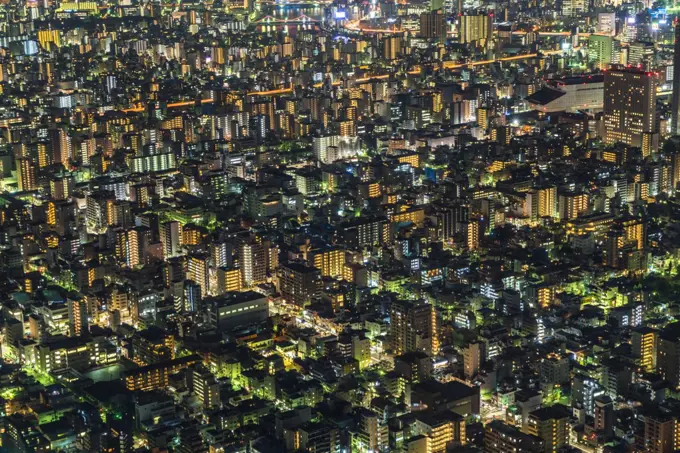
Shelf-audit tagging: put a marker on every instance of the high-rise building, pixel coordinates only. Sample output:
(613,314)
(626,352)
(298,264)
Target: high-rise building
(433,25)
(584,391)
(61,147)
(547,202)
(662,433)
(668,356)
(675,99)
(555,369)
(552,425)
(600,50)
(253,263)
(372,435)
(330,262)
(153,345)
(574,7)
(475,28)
(472,359)
(171,238)
(391,47)
(131,245)
(502,438)
(472,234)
(443,430)
(203,384)
(298,283)
(571,205)
(77,317)
(320,437)
(26,177)
(61,188)
(413,328)
(542,202)
(229,279)
(603,423)
(644,341)
(197,270)
(629,106)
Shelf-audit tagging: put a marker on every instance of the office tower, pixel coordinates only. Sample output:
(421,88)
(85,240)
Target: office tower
(641,54)
(629,105)
(600,50)
(552,425)
(574,7)
(675,99)
(298,284)
(433,25)
(644,342)
(606,23)
(77,317)
(475,28)
(413,327)
(253,263)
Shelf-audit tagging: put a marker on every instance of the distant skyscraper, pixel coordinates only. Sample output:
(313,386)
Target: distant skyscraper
(433,25)
(475,28)
(600,50)
(629,106)
(675,101)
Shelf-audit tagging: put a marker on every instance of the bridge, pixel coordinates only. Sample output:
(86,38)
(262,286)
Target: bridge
(301,19)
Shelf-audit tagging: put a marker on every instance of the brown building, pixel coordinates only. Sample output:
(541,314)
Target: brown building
(629,106)
(413,328)
(298,284)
